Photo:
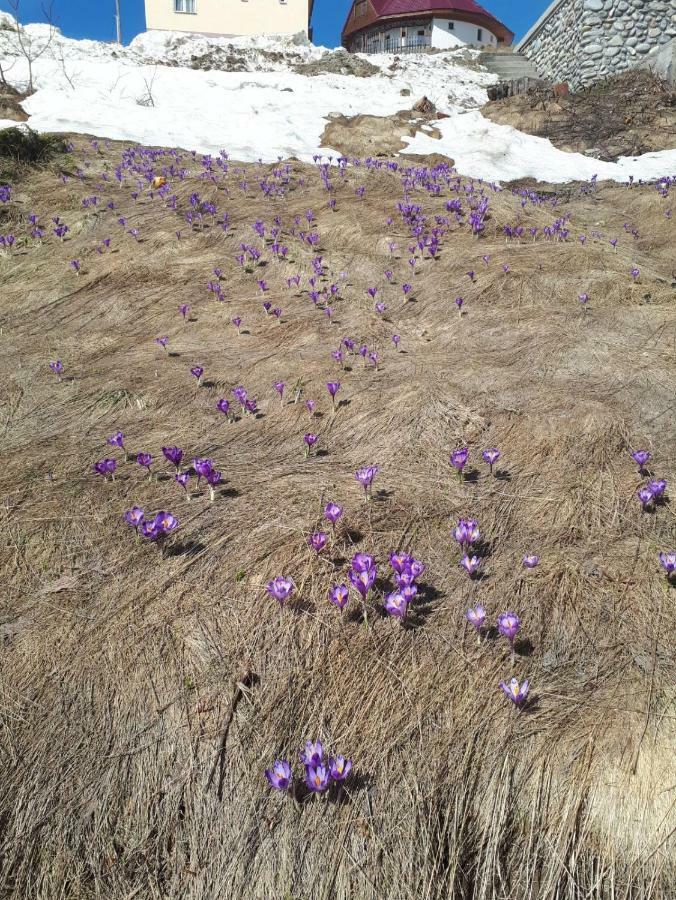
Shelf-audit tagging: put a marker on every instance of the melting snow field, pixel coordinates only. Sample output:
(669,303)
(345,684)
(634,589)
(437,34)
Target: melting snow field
(149,93)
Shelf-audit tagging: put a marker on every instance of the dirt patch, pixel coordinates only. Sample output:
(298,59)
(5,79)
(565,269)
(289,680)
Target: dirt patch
(626,115)
(10,100)
(379,136)
(338,62)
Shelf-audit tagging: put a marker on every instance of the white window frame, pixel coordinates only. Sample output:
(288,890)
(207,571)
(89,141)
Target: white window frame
(185,7)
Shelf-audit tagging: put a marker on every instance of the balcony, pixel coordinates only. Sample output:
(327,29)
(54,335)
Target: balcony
(380,44)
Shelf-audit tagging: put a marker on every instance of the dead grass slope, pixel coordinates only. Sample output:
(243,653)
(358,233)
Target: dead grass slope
(142,696)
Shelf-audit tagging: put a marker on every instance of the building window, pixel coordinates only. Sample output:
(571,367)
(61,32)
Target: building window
(451,26)
(479,34)
(421,33)
(184,6)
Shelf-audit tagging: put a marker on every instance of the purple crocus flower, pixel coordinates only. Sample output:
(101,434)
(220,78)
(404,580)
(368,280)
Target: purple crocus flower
(491,456)
(134,517)
(279,386)
(281,589)
(362,581)
(237,322)
(530,562)
(280,775)
(173,455)
(202,467)
(213,479)
(467,533)
(149,531)
(365,477)
(223,406)
(317,541)
(310,441)
(198,372)
(668,562)
(508,626)
(470,564)
(459,302)
(184,309)
(338,595)
(459,460)
(406,288)
(400,562)
(645,495)
(380,308)
(312,754)
(339,768)
(145,460)
(162,341)
(105,467)
(396,339)
(165,522)
(635,272)
(641,457)
(57,368)
(516,693)
(372,291)
(362,562)
(183,478)
(333,387)
(317,778)
(396,605)
(310,406)
(76,266)
(333,512)
(658,487)
(476,617)
(116,440)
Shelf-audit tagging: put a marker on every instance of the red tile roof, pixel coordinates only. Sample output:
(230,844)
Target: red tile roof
(466,9)
(404,7)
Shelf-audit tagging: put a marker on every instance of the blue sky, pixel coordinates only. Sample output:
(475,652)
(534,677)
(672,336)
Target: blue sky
(95,18)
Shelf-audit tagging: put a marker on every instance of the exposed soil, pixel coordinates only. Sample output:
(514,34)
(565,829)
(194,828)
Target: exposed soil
(10,100)
(145,690)
(338,62)
(379,136)
(626,115)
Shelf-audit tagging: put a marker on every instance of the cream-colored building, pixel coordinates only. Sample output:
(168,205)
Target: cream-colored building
(230,17)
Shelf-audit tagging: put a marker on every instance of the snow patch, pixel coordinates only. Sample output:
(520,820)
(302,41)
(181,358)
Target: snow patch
(244,95)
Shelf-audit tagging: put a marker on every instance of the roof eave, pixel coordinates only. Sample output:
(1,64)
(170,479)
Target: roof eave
(485,20)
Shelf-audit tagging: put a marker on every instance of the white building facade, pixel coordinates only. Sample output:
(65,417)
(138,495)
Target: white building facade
(231,18)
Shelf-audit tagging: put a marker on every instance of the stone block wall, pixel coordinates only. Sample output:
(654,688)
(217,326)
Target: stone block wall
(582,41)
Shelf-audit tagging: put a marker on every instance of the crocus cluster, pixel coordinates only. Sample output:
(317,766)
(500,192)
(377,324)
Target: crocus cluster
(319,773)
(152,528)
(407,569)
(467,534)
(508,625)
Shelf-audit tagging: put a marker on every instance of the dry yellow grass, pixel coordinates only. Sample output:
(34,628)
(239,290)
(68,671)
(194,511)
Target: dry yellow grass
(143,695)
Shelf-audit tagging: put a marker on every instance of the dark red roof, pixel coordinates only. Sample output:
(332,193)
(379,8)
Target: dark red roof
(404,7)
(466,9)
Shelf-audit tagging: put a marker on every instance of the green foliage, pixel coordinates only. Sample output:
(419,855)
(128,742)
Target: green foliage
(20,147)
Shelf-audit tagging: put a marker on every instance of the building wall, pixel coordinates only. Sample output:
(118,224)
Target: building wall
(582,41)
(231,17)
(435,33)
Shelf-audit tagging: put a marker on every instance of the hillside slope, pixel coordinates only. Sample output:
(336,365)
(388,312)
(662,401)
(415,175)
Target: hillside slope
(146,686)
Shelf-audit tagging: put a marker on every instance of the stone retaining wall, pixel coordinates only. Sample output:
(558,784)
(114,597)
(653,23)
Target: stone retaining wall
(582,41)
